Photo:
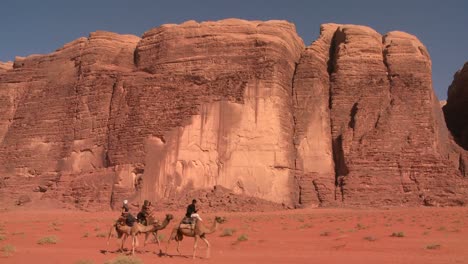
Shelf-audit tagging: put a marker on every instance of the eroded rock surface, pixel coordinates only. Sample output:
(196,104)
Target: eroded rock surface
(241,105)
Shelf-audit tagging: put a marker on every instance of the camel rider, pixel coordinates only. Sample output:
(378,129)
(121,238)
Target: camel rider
(126,217)
(125,208)
(145,212)
(192,211)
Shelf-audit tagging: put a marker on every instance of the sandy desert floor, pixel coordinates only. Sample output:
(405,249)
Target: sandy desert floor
(423,235)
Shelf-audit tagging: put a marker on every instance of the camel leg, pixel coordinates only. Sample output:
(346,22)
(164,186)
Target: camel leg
(208,247)
(146,238)
(134,243)
(178,244)
(155,234)
(110,234)
(195,246)
(124,237)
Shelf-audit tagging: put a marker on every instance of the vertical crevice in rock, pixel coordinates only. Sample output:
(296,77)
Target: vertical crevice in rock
(108,161)
(337,143)
(352,116)
(79,66)
(462,165)
(297,177)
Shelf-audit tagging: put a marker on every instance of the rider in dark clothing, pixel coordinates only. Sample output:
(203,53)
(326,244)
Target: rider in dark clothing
(126,216)
(191,209)
(145,212)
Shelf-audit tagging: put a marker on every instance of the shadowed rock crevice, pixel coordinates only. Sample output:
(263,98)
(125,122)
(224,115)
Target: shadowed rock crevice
(456,109)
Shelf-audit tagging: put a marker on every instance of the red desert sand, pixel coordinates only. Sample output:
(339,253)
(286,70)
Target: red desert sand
(410,235)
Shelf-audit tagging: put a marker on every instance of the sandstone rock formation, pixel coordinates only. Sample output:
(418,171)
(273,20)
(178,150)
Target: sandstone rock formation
(242,105)
(456,109)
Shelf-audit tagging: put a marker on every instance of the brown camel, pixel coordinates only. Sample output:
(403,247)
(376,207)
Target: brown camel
(124,231)
(198,231)
(137,229)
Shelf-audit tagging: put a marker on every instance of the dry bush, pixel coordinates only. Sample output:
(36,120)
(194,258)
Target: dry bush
(48,240)
(124,260)
(8,250)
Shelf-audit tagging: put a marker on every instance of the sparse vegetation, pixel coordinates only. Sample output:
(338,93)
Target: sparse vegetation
(161,237)
(2,237)
(433,246)
(370,238)
(442,228)
(124,260)
(17,233)
(8,250)
(102,234)
(48,240)
(325,233)
(398,234)
(242,237)
(86,234)
(305,226)
(360,226)
(228,232)
(426,233)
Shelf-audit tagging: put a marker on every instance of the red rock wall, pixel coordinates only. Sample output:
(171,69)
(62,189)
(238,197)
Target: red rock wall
(456,109)
(350,120)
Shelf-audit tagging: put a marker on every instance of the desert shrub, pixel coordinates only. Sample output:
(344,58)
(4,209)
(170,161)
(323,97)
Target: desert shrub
(325,233)
(243,237)
(86,234)
(370,238)
(305,226)
(2,237)
(228,232)
(398,234)
(161,237)
(48,240)
(360,226)
(102,234)
(8,250)
(433,246)
(124,260)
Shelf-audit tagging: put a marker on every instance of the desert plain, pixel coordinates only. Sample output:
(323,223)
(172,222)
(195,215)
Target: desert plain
(395,235)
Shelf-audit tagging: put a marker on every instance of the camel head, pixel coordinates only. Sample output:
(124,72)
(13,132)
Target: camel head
(169,217)
(220,219)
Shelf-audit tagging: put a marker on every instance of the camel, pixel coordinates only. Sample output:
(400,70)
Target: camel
(137,229)
(124,231)
(198,231)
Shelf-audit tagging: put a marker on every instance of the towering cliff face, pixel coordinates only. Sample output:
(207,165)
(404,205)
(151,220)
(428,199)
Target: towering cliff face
(456,109)
(350,120)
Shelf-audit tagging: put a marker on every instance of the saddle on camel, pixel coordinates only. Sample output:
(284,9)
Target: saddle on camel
(191,216)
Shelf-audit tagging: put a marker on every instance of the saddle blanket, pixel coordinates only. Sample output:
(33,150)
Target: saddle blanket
(187,226)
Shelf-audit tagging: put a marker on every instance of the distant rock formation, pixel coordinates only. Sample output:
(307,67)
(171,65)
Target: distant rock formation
(351,120)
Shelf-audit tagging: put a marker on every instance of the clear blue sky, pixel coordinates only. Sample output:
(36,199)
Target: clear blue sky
(41,26)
